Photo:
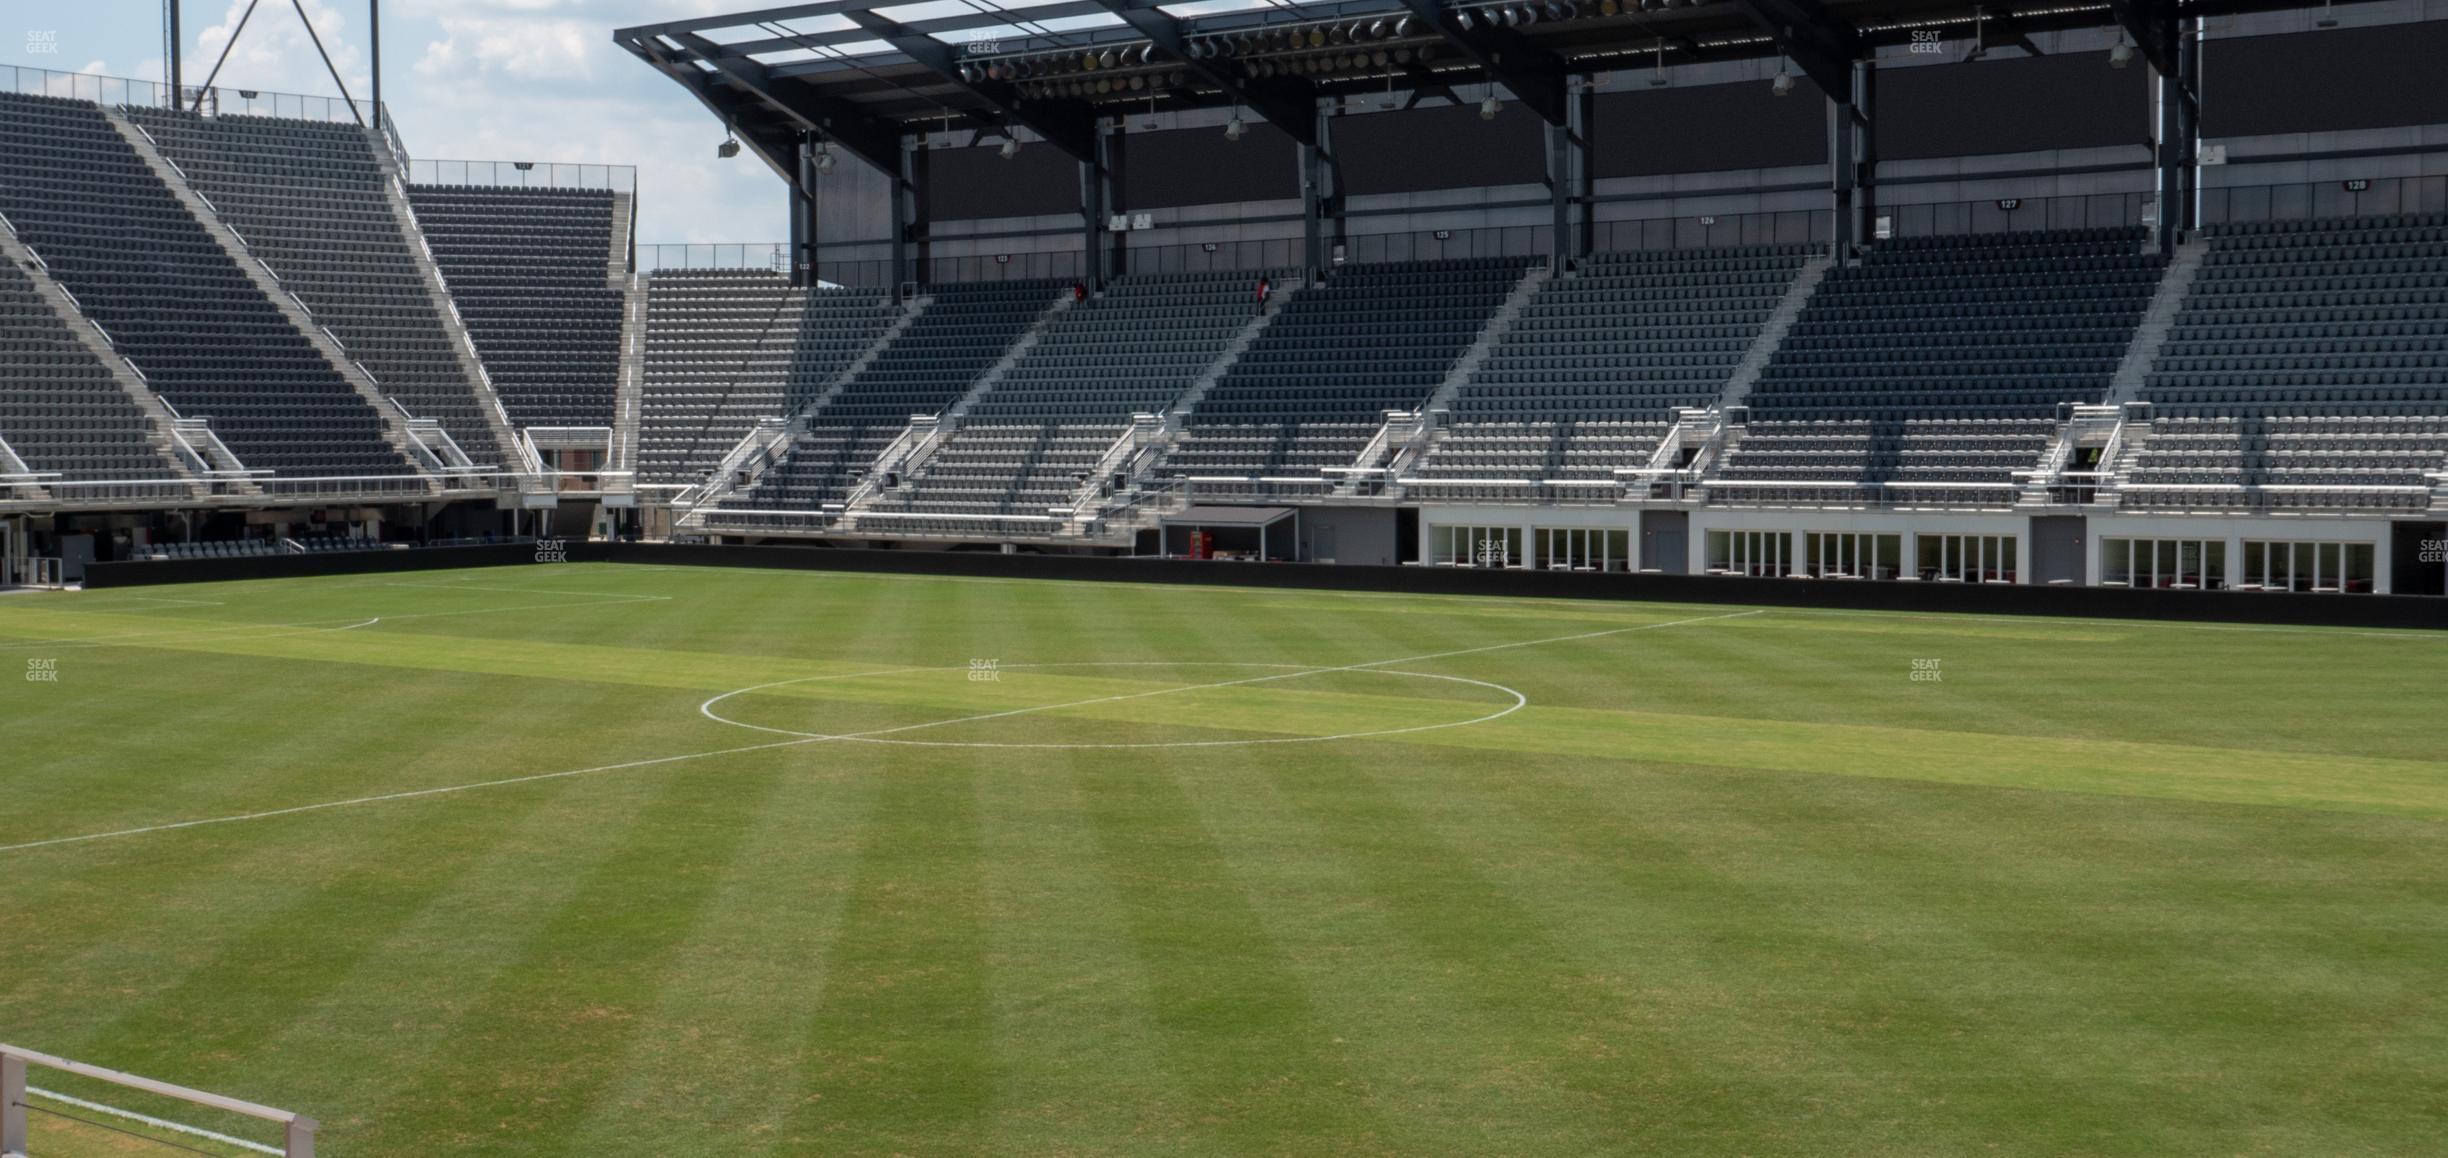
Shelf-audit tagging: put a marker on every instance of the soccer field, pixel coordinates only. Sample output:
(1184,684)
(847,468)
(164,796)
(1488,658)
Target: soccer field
(601,859)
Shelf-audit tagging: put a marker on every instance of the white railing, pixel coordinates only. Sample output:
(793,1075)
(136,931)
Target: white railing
(16,1100)
(10,464)
(749,457)
(916,440)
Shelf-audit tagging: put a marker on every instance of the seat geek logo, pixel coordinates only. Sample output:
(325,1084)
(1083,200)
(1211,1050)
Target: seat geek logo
(552,551)
(2432,551)
(42,671)
(42,42)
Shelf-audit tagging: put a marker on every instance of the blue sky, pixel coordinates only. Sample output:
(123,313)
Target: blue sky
(504,80)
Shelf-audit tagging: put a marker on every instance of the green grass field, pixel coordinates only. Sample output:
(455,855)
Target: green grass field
(467,863)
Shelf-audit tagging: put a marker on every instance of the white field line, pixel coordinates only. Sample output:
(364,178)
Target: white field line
(274,631)
(880,736)
(418,793)
(706,709)
(214,634)
(162,599)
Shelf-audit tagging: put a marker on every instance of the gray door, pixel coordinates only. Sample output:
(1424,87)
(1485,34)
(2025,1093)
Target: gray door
(2057,548)
(1665,542)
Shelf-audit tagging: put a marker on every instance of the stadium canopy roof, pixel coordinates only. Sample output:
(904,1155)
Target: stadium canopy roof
(863,72)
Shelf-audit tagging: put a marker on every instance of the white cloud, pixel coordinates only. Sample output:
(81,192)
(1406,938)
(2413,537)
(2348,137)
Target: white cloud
(518,46)
(275,54)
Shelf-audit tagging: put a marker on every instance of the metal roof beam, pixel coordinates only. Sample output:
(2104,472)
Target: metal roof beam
(1070,129)
(1533,72)
(778,150)
(939,26)
(1819,44)
(1287,103)
(876,142)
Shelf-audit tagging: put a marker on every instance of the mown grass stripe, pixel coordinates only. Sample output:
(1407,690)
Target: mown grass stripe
(895,1053)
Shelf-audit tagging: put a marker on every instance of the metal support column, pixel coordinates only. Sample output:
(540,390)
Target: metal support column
(2179,130)
(1313,210)
(373,48)
(1865,149)
(1559,196)
(1582,109)
(170,50)
(1096,194)
(802,193)
(2188,124)
(1840,176)
(904,188)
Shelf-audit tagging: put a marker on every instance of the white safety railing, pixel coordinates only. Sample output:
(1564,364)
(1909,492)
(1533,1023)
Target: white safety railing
(18,1097)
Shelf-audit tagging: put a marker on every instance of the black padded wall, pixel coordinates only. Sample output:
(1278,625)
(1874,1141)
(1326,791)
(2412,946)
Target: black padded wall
(2020,105)
(1444,147)
(1199,167)
(1707,128)
(966,184)
(2335,79)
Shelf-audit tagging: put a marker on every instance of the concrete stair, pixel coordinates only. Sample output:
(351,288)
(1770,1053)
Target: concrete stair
(2152,333)
(628,394)
(515,454)
(1772,332)
(159,418)
(393,417)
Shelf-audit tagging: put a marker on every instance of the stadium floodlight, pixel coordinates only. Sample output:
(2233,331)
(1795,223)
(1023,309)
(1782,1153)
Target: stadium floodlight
(1462,18)
(1558,10)
(729,147)
(1489,107)
(824,157)
(1783,84)
(2122,54)
(1234,128)
(1011,148)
